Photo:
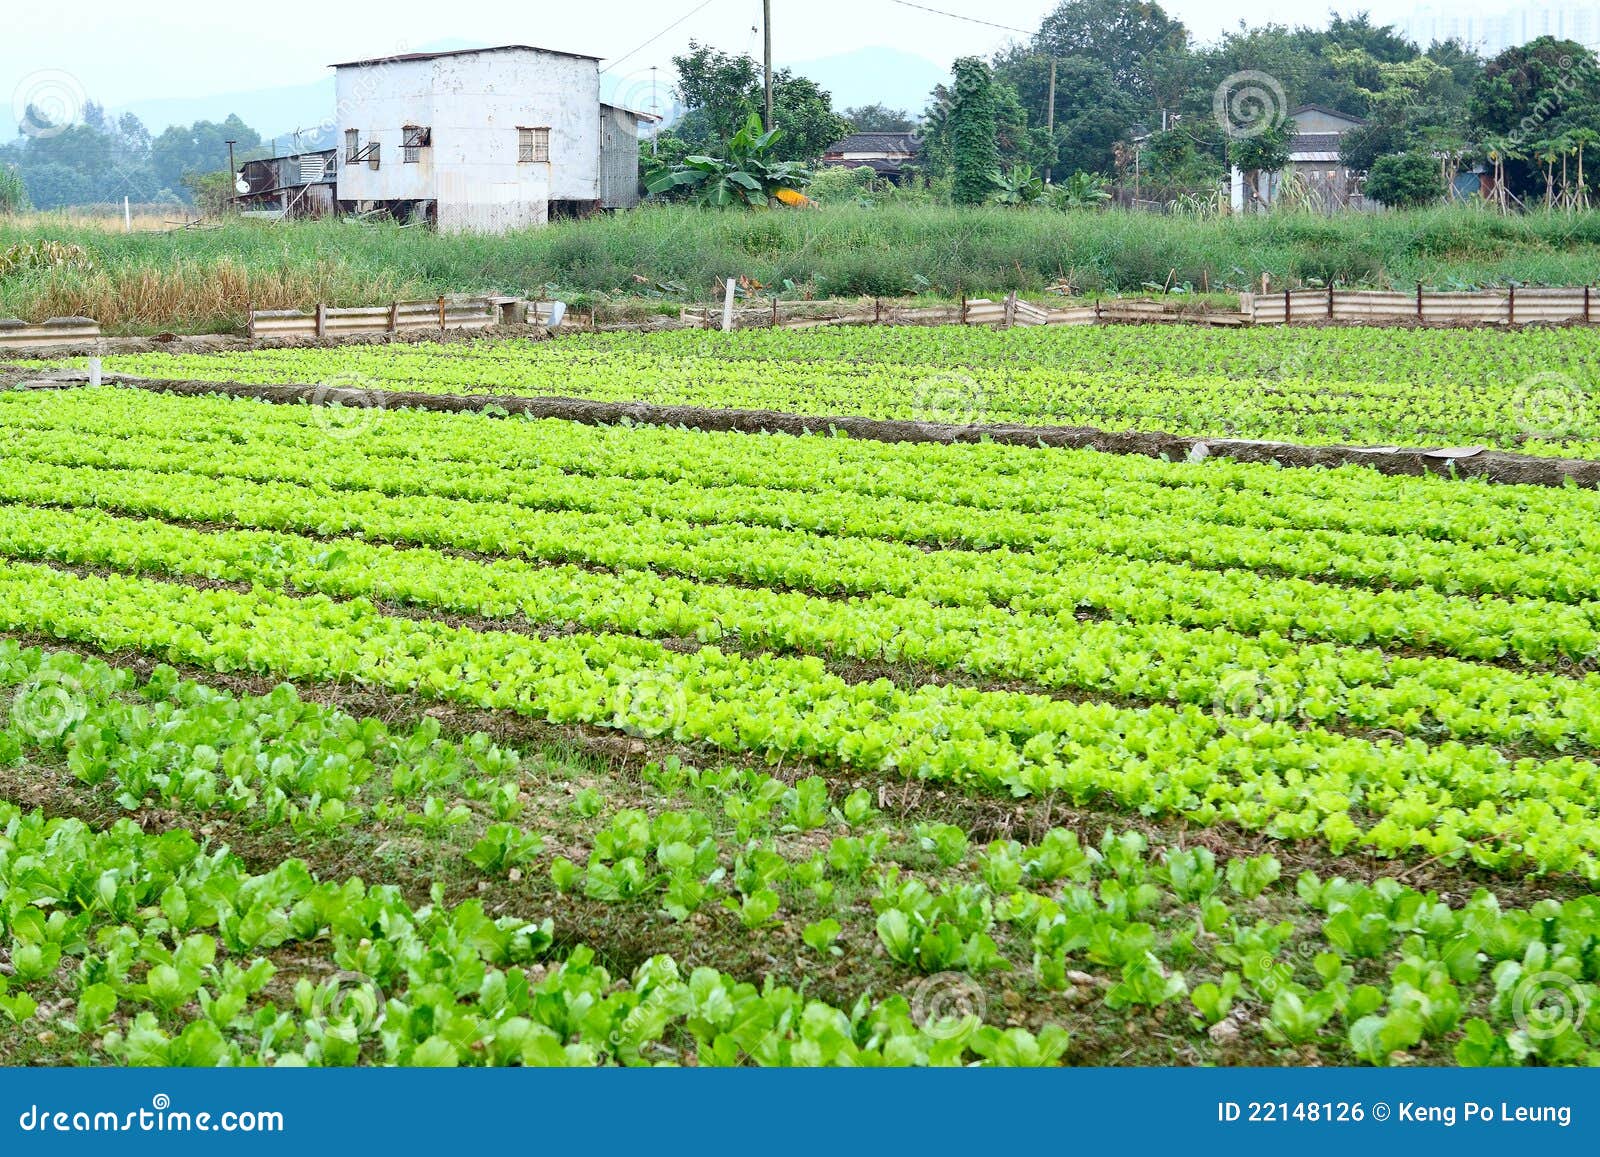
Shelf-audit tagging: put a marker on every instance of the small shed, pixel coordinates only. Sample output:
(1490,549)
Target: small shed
(294,185)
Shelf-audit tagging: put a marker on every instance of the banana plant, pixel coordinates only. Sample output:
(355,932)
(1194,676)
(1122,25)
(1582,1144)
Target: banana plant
(1018,186)
(749,175)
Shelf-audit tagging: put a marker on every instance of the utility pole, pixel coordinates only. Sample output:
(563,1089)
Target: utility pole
(766,36)
(655,108)
(1050,123)
(233,177)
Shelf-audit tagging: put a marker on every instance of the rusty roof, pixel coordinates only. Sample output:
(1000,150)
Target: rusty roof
(407,57)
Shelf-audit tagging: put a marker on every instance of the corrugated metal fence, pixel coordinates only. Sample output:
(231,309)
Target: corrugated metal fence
(976,311)
(16,334)
(1564,305)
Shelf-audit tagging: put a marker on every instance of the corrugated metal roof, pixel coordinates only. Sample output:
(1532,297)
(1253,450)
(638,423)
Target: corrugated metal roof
(406,57)
(633,112)
(904,144)
(1315,142)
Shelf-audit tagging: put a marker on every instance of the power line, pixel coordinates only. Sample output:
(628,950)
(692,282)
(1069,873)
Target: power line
(958,16)
(658,35)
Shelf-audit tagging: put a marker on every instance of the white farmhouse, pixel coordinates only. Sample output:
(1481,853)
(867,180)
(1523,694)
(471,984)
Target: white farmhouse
(484,139)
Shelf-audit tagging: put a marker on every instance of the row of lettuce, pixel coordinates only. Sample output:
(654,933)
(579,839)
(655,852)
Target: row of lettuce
(151,948)
(1529,390)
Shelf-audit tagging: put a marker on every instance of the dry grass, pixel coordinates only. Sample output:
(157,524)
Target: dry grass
(213,294)
(145,219)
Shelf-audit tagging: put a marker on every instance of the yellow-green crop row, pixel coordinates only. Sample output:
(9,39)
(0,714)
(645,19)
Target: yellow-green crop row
(1530,390)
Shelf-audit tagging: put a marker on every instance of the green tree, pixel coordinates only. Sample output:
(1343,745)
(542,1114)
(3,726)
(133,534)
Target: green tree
(804,114)
(199,148)
(971,118)
(55,186)
(1404,180)
(1265,149)
(1530,93)
(878,118)
(1092,112)
(718,90)
(1129,38)
(721,90)
(1183,159)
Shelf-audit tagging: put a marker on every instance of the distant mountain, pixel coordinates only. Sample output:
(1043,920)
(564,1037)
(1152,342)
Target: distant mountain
(879,75)
(270,111)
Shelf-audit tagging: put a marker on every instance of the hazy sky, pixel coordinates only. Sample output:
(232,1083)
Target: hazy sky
(122,52)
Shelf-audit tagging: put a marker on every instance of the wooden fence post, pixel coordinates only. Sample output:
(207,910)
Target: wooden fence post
(1585,305)
(963,307)
(394,317)
(250,320)
(1419,301)
(1330,300)
(322,319)
(441,313)
(1511,305)
(1009,317)
(1288,307)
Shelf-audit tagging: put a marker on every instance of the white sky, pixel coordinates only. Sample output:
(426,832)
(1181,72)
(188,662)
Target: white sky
(121,53)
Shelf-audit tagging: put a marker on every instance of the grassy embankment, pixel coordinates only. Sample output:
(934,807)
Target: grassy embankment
(203,280)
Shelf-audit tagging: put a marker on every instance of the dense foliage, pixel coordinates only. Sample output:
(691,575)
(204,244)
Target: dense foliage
(97,160)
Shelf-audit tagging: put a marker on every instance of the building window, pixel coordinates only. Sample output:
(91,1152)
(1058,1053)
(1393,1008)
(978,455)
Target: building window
(413,139)
(352,145)
(533,145)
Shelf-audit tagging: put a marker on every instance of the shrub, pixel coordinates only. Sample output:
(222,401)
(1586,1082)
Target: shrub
(1405,180)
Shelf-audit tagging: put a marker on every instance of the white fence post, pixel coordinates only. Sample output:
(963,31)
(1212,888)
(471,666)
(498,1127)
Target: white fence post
(727,308)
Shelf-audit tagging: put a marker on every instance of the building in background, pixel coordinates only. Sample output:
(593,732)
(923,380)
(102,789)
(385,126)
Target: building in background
(297,185)
(890,155)
(483,139)
(1491,30)
(1314,173)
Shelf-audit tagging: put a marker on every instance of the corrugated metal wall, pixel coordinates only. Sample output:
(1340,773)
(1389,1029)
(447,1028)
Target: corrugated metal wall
(619,159)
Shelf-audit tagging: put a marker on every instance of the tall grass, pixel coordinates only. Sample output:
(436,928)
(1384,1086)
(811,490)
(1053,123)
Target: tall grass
(198,279)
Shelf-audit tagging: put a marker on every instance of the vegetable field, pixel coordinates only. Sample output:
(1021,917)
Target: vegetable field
(1535,391)
(399,737)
